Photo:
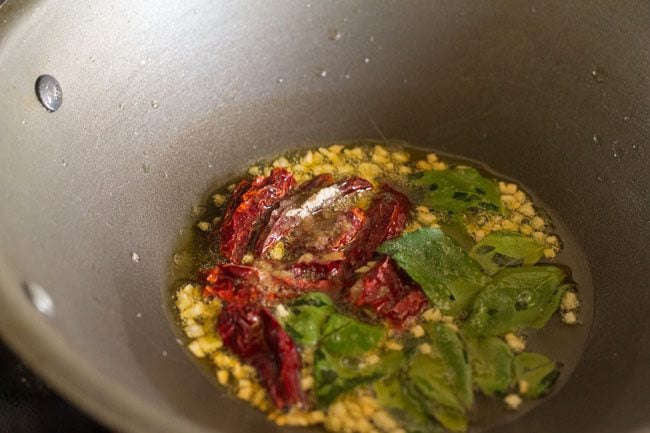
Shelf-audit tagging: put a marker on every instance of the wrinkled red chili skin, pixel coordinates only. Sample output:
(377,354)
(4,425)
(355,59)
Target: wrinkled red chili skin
(232,283)
(236,198)
(281,222)
(385,220)
(275,228)
(233,202)
(317,276)
(252,333)
(384,291)
(348,225)
(278,281)
(250,206)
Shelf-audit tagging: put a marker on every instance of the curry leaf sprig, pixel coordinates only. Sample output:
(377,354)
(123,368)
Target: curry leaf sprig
(425,390)
(514,298)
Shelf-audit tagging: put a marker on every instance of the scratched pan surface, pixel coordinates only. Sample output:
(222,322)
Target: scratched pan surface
(161,100)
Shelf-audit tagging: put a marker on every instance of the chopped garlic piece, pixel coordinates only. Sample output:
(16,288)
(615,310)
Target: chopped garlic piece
(204,226)
(516,343)
(512,401)
(417,331)
(432,315)
(570,301)
(570,318)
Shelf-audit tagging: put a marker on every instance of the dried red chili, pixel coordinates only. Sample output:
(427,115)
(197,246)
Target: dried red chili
(231,282)
(347,227)
(267,282)
(250,205)
(252,333)
(389,295)
(387,216)
(317,195)
(316,276)
(273,232)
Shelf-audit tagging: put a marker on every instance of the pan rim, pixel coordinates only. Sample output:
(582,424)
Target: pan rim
(30,335)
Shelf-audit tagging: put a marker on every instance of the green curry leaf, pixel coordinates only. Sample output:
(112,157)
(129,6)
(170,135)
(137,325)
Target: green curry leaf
(492,365)
(504,248)
(539,372)
(450,348)
(431,382)
(441,380)
(335,375)
(346,336)
(338,362)
(516,298)
(551,306)
(447,275)
(459,189)
(405,406)
(307,315)
(456,228)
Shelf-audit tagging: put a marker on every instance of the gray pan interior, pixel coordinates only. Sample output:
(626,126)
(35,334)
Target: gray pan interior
(163,99)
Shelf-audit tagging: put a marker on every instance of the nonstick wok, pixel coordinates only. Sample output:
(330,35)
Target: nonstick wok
(163,100)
